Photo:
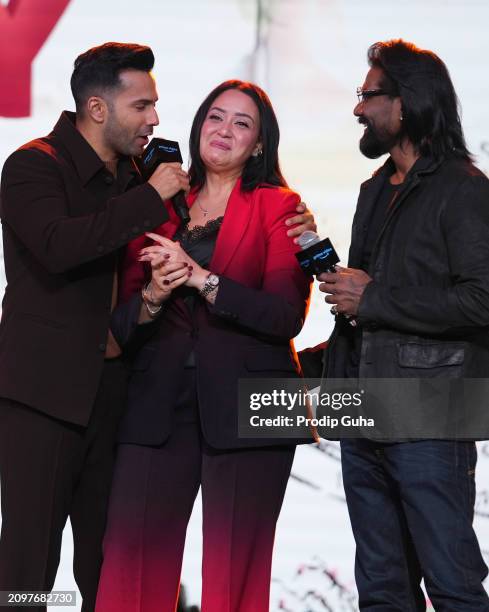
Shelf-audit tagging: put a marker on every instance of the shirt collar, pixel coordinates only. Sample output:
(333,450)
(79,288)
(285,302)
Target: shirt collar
(85,159)
(423,165)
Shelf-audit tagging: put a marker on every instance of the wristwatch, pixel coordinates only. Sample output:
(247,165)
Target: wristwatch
(210,285)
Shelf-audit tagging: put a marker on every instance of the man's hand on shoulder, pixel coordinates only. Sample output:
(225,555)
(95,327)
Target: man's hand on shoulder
(168,179)
(344,288)
(303,221)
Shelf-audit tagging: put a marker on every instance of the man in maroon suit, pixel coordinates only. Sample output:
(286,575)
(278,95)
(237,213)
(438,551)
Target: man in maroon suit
(69,202)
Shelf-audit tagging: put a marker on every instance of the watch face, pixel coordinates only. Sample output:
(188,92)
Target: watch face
(213,279)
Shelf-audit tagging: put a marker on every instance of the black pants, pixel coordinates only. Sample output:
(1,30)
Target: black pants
(51,470)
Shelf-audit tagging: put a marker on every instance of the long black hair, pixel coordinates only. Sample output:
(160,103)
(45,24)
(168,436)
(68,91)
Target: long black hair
(430,107)
(264,168)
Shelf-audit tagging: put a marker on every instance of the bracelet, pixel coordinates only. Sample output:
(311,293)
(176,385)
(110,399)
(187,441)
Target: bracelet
(153,310)
(147,293)
(152,307)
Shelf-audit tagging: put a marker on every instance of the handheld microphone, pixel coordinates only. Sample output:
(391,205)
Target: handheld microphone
(316,255)
(319,256)
(164,151)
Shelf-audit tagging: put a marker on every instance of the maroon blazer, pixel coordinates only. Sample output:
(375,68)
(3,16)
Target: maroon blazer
(260,306)
(64,217)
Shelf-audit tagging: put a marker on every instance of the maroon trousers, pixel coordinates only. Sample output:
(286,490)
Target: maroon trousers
(152,497)
(51,470)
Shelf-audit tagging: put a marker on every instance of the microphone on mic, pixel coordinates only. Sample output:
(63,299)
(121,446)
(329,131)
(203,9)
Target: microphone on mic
(317,256)
(161,151)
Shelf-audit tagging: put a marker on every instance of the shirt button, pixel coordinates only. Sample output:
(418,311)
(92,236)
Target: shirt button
(108,179)
(135,230)
(100,249)
(147,223)
(102,347)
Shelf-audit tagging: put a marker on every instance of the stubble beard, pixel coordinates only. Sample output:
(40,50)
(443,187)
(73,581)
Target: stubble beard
(118,137)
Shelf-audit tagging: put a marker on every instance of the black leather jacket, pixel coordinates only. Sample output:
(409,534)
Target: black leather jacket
(426,312)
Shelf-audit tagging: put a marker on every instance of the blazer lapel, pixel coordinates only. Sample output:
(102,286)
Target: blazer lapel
(424,165)
(235,223)
(369,192)
(169,231)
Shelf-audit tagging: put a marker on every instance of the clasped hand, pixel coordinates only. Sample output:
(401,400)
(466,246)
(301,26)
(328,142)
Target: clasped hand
(170,267)
(344,288)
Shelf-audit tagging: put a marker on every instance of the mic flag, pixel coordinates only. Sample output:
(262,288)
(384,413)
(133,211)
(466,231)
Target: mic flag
(161,151)
(316,255)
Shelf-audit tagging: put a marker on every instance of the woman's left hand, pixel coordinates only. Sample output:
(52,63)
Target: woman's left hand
(165,246)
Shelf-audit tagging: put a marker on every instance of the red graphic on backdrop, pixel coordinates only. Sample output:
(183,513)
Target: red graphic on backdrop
(24,27)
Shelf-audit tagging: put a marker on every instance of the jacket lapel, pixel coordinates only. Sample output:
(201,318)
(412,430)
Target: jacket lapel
(169,230)
(235,223)
(424,165)
(369,192)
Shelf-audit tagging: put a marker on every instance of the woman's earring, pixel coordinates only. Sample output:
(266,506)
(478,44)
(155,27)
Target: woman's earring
(257,152)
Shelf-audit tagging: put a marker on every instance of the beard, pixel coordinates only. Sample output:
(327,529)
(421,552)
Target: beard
(375,142)
(120,138)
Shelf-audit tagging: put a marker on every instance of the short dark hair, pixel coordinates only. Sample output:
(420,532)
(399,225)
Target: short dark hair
(264,168)
(98,69)
(430,106)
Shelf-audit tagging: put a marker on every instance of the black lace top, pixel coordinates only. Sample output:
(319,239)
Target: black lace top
(200,241)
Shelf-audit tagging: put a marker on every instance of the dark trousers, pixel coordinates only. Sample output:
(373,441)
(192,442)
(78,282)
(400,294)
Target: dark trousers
(411,508)
(153,493)
(51,470)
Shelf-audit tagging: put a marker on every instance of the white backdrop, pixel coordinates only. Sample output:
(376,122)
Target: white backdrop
(309,55)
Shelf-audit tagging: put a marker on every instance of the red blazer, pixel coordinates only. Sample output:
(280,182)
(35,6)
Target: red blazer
(260,306)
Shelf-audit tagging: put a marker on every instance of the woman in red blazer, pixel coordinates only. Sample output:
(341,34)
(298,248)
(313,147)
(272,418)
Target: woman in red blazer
(225,297)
